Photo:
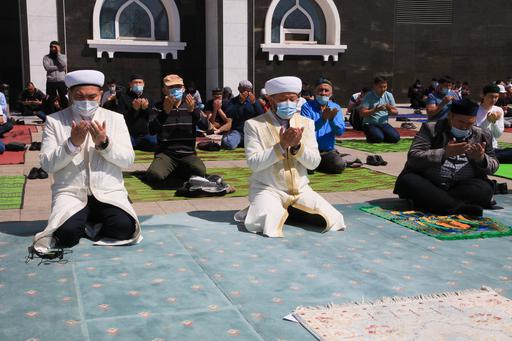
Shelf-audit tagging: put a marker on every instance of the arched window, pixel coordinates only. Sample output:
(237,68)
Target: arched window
(136,26)
(302,27)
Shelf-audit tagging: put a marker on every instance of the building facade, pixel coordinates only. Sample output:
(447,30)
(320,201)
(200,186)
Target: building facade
(219,42)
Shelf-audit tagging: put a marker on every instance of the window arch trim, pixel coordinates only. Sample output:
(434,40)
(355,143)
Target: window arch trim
(148,12)
(283,30)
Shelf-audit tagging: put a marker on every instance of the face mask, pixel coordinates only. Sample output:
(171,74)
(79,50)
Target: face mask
(444,91)
(460,134)
(176,93)
(322,100)
(137,89)
(434,84)
(285,110)
(112,88)
(85,109)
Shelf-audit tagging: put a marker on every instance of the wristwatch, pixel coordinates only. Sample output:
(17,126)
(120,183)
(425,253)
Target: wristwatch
(103,145)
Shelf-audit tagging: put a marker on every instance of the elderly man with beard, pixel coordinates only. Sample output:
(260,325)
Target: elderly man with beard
(280,146)
(86,147)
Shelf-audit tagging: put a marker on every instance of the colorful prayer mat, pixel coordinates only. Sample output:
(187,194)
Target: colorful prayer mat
(352,179)
(351,133)
(464,315)
(450,227)
(12,189)
(221,155)
(505,171)
(376,148)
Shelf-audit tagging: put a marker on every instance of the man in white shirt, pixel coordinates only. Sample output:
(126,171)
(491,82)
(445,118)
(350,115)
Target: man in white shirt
(86,147)
(280,146)
(491,117)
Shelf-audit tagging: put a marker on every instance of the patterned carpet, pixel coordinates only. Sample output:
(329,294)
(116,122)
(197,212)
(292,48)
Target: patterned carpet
(197,276)
(376,148)
(11,192)
(352,179)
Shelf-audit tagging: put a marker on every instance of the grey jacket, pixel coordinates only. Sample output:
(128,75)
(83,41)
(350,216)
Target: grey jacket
(427,149)
(55,68)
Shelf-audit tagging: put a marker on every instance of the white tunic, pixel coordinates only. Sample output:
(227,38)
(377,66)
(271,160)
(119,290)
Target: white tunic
(279,180)
(90,171)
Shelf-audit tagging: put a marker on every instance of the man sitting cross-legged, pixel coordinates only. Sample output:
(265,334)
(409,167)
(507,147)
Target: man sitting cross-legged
(175,127)
(86,147)
(448,163)
(280,147)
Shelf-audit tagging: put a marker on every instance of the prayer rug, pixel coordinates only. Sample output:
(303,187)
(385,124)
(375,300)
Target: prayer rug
(414,117)
(221,155)
(508,130)
(12,158)
(465,315)
(504,145)
(19,133)
(199,276)
(505,171)
(376,148)
(12,189)
(447,227)
(351,133)
(352,179)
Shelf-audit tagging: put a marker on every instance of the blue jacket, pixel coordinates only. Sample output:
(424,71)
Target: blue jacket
(326,131)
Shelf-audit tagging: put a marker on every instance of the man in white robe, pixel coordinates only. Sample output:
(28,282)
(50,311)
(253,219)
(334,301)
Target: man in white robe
(280,146)
(85,147)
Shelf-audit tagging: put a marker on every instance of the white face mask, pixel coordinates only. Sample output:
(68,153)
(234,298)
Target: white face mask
(85,109)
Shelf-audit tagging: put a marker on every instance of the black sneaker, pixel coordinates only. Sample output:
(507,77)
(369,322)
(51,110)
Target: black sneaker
(41,174)
(33,174)
(372,160)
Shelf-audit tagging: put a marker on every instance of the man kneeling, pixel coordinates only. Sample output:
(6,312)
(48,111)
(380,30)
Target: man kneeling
(85,147)
(280,147)
(448,163)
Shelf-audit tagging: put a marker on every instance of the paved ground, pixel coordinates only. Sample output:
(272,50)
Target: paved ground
(38,196)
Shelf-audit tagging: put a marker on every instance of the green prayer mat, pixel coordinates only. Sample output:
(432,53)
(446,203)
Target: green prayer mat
(503,145)
(505,171)
(450,227)
(221,155)
(11,192)
(376,148)
(352,179)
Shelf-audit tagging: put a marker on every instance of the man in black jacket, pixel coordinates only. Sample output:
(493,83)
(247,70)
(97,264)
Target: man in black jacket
(448,164)
(175,127)
(137,109)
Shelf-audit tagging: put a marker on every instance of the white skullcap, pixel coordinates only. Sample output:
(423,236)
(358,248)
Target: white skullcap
(502,89)
(283,84)
(84,77)
(263,92)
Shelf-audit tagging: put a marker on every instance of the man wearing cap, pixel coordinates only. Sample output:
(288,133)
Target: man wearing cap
(439,101)
(503,100)
(491,117)
(329,123)
(448,164)
(280,146)
(215,110)
(86,147)
(55,64)
(240,109)
(137,109)
(175,126)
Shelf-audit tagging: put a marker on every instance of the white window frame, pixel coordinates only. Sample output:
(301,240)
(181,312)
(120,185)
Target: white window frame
(148,12)
(138,45)
(283,30)
(331,49)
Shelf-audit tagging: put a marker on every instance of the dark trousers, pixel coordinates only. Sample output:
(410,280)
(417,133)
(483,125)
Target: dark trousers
(382,133)
(117,224)
(426,195)
(504,155)
(58,88)
(5,128)
(331,163)
(183,167)
(29,110)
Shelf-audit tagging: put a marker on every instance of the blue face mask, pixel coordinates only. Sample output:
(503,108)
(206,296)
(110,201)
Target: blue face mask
(322,100)
(137,89)
(176,93)
(445,91)
(460,134)
(285,110)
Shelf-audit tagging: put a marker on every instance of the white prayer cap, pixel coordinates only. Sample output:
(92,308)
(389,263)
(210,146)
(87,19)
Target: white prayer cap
(263,92)
(283,84)
(502,89)
(84,77)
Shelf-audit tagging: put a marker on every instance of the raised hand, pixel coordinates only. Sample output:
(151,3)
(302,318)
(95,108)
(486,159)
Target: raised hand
(190,102)
(329,113)
(98,132)
(454,148)
(136,104)
(169,102)
(476,151)
(79,133)
(252,98)
(144,103)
